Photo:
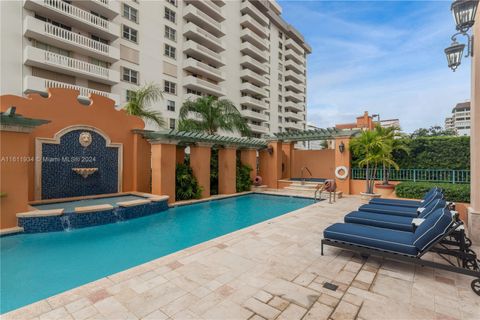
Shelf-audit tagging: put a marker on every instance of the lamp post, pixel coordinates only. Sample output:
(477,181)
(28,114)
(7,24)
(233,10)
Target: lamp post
(464,15)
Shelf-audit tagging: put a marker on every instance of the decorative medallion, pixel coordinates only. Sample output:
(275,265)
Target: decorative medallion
(85,139)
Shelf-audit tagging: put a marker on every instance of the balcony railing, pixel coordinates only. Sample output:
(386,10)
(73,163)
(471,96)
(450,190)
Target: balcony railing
(203,85)
(203,68)
(201,18)
(77,13)
(418,175)
(257,128)
(193,48)
(250,23)
(253,77)
(253,64)
(202,36)
(249,8)
(248,87)
(255,115)
(254,52)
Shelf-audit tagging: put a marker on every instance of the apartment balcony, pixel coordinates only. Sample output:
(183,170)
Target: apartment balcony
(294,96)
(203,69)
(74,16)
(293,115)
(203,86)
(248,22)
(253,90)
(62,38)
(293,86)
(292,65)
(201,52)
(299,107)
(195,15)
(253,103)
(250,114)
(59,63)
(208,7)
(253,38)
(252,51)
(293,125)
(106,8)
(197,34)
(291,44)
(293,55)
(253,77)
(40,85)
(252,64)
(249,8)
(258,129)
(294,76)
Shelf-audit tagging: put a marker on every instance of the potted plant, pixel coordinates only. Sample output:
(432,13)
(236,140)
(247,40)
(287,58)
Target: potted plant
(374,150)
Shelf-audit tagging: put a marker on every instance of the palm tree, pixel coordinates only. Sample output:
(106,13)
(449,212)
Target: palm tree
(141,99)
(390,135)
(375,150)
(212,115)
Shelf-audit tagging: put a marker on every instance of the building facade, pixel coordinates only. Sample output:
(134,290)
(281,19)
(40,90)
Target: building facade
(460,119)
(240,50)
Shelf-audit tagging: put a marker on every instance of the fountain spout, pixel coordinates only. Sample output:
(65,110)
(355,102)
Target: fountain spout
(85,172)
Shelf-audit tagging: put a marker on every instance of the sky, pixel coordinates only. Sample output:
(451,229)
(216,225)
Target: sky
(386,57)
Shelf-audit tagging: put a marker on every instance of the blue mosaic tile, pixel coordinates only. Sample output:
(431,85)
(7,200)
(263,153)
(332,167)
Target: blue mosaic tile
(58,179)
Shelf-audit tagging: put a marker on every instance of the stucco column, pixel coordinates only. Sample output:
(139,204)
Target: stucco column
(249,157)
(180,154)
(474,209)
(227,170)
(343,159)
(287,148)
(200,155)
(271,164)
(163,169)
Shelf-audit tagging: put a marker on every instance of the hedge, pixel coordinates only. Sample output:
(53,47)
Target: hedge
(416,190)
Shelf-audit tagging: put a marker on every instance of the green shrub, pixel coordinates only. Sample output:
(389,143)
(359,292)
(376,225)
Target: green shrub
(243,177)
(186,185)
(416,190)
(214,172)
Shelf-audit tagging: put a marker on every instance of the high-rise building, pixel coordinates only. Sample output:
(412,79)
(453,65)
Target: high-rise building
(460,119)
(240,50)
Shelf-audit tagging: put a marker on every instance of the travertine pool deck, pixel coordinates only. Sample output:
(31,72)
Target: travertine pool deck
(272,270)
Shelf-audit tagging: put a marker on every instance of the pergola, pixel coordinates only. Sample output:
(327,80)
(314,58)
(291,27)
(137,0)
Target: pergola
(317,134)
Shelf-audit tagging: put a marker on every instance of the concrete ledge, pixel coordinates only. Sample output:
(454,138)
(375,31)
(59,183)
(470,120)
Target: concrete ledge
(40,213)
(159,198)
(96,208)
(133,203)
(4,232)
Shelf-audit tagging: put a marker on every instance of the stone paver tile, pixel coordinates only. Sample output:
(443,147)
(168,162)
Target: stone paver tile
(293,292)
(98,295)
(31,311)
(345,277)
(156,315)
(263,296)
(293,312)
(85,313)
(206,303)
(393,288)
(201,292)
(77,305)
(360,284)
(318,312)
(112,309)
(394,310)
(279,303)
(179,304)
(227,310)
(365,276)
(256,317)
(56,314)
(187,315)
(328,300)
(262,309)
(352,266)
(353,299)
(345,311)
(402,275)
(305,279)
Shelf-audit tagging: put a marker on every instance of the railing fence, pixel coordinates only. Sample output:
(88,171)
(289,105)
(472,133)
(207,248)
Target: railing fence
(417,175)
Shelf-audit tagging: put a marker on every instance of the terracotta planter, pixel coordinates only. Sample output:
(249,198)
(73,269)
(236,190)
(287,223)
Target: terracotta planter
(366,197)
(385,190)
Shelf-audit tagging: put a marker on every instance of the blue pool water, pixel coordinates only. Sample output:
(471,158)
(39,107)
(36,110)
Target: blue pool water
(70,206)
(36,266)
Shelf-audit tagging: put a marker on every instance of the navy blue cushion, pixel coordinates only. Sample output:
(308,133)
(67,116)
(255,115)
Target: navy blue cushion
(432,228)
(372,237)
(431,207)
(396,202)
(392,210)
(380,220)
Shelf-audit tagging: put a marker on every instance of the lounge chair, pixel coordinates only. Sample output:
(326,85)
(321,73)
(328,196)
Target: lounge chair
(409,246)
(396,222)
(406,203)
(411,212)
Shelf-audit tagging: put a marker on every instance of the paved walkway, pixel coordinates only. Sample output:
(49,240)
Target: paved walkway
(272,270)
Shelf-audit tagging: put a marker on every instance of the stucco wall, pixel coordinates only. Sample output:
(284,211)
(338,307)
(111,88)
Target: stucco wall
(320,162)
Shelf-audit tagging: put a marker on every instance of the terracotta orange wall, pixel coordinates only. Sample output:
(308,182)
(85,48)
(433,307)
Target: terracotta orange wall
(63,110)
(343,159)
(227,171)
(320,162)
(141,164)
(249,157)
(13,176)
(357,186)
(163,170)
(270,167)
(180,157)
(287,159)
(200,164)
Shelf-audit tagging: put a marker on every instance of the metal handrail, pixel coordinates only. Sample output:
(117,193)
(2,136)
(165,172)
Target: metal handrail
(418,175)
(301,174)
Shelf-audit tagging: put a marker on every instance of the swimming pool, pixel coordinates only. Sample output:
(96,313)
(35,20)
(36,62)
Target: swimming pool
(36,266)
(69,206)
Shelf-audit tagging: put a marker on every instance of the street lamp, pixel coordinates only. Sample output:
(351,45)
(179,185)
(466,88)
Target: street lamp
(464,15)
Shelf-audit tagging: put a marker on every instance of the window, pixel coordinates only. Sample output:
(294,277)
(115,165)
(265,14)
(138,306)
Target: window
(170,15)
(55,23)
(172,123)
(170,51)
(279,87)
(195,92)
(97,15)
(170,33)
(96,38)
(280,119)
(49,48)
(99,63)
(174,2)
(280,34)
(130,33)
(170,105)
(130,75)
(170,87)
(130,13)
(129,94)
(280,46)
(280,98)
